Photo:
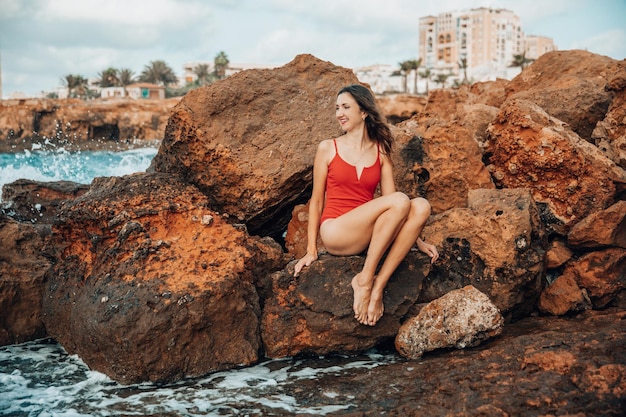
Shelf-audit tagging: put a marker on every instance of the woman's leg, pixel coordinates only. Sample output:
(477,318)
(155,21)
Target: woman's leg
(405,239)
(374,226)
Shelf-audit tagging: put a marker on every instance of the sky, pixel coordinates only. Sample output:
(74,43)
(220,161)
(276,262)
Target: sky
(42,41)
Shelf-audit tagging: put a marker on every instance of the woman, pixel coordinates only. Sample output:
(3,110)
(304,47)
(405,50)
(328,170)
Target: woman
(344,212)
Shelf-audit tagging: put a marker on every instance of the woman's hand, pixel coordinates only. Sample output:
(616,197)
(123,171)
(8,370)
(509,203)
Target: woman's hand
(428,249)
(306,260)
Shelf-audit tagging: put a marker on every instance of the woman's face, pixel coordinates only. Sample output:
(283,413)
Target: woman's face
(348,113)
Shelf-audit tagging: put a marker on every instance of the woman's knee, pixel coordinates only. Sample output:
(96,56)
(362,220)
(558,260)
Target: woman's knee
(420,207)
(400,201)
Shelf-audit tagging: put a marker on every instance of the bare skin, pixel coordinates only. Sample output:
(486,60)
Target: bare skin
(390,222)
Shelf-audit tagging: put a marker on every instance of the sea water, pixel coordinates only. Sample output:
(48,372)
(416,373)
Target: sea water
(81,166)
(40,379)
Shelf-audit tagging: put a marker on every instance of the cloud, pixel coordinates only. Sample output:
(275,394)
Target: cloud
(609,43)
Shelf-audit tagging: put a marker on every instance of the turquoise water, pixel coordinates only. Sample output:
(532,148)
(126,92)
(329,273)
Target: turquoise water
(81,167)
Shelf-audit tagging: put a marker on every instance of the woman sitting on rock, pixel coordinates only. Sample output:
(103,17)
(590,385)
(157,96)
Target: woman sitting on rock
(344,212)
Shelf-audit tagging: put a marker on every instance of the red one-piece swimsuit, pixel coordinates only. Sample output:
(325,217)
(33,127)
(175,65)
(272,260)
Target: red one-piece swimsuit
(344,189)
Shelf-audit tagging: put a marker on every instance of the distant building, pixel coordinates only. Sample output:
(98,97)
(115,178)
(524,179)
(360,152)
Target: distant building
(535,46)
(381,78)
(136,91)
(486,39)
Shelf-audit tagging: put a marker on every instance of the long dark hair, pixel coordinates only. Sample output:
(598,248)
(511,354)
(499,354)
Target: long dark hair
(375,123)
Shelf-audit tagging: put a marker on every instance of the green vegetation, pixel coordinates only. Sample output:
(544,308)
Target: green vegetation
(521,61)
(156,72)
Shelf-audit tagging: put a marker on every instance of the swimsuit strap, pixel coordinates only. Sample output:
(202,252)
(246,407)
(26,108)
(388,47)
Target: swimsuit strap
(335,142)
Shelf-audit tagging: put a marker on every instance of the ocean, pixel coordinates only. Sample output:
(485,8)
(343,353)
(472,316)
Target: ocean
(40,379)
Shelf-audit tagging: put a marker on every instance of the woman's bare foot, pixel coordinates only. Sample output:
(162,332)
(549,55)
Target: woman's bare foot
(375,309)
(362,294)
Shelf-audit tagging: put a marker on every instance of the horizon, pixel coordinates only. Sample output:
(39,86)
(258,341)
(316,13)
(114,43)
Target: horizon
(42,41)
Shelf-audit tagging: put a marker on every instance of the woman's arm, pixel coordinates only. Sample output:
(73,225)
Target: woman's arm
(316,204)
(387,182)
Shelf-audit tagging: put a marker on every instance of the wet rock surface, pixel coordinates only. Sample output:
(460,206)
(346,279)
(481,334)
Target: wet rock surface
(539,366)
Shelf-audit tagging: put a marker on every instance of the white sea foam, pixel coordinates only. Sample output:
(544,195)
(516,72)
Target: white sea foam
(40,379)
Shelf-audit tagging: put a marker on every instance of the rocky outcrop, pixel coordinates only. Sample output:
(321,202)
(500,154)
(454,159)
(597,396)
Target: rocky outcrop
(158,276)
(151,284)
(78,124)
(539,366)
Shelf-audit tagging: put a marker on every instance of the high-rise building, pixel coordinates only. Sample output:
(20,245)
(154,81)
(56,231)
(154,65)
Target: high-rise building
(483,40)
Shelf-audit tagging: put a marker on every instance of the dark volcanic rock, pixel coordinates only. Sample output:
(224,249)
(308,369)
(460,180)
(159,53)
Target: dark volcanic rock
(150,284)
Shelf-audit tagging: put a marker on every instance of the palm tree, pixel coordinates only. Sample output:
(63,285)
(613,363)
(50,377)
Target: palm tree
(426,74)
(158,72)
(221,63)
(76,85)
(125,77)
(463,67)
(441,79)
(521,61)
(108,78)
(415,64)
(405,67)
(203,74)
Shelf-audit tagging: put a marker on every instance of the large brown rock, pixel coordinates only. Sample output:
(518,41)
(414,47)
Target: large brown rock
(570,86)
(22,269)
(497,245)
(572,179)
(438,152)
(150,284)
(312,314)
(248,141)
(601,273)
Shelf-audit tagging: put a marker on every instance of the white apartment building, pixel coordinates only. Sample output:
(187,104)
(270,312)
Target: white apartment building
(487,39)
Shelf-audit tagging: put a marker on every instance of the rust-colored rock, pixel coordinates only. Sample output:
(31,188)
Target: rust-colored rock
(22,269)
(438,156)
(570,86)
(496,245)
(78,124)
(296,238)
(150,284)
(312,314)
(557,254)
(564,296)
(601,229)
(399,107)
(602,273)
(609,134)
(530,149)
(461,318)
(248,141)
(38,202)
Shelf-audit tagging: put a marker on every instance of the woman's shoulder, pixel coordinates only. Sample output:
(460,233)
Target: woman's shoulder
(326,150)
